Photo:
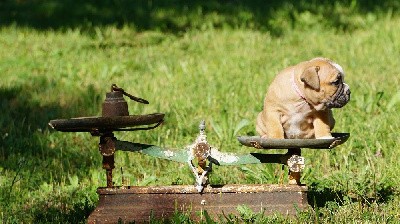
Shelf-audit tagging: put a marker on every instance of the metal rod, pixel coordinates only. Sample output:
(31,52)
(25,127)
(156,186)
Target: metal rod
(109,178)
(108,165)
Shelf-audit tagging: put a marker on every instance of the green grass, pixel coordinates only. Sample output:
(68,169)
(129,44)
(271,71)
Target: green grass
(216,74)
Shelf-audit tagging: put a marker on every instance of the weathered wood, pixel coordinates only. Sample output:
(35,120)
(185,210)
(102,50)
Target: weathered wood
(138,203)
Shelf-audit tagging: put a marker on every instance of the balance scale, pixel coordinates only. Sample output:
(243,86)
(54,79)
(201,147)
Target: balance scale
(138,204)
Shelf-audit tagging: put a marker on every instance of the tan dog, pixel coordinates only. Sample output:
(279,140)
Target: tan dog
(298,102)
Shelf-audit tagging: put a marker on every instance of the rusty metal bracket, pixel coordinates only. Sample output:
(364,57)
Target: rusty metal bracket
(107,144)
(107,150)
(200,151)
(294,173)
(296,163)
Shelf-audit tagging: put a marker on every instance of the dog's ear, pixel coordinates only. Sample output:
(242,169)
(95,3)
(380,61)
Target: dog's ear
(310,77)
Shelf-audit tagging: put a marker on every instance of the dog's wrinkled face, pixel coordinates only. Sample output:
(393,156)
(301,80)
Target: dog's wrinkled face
(324,84)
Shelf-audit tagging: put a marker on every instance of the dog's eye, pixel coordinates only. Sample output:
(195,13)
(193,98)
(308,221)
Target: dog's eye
(337,81)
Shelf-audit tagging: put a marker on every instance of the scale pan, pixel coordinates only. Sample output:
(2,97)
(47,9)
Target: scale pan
(116,123)
(264,143)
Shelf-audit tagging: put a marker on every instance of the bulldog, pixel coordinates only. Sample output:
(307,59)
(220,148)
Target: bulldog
(299,100)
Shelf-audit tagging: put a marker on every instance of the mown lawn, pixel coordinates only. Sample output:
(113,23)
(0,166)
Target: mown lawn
(219,74)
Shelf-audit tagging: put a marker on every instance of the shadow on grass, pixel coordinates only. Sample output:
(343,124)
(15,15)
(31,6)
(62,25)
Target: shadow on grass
(21,119)
(319,197)
(30,161)
(179,15)
(78,213)
(24,120)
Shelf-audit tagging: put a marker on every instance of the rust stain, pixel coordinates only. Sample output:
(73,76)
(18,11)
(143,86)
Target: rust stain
(137,203)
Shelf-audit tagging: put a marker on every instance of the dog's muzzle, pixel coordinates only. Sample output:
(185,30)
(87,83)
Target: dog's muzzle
(340,98)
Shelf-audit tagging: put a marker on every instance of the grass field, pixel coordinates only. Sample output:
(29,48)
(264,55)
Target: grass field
(216,73)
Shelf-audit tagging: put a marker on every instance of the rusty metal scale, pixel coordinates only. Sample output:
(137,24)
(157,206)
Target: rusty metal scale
(138,204)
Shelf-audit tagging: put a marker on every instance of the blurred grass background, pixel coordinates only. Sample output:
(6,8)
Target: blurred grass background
(179,16)
(192,60)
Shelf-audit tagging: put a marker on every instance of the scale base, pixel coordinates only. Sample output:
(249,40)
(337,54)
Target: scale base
(140,203)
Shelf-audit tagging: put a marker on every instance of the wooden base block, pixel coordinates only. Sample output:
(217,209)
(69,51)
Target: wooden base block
(138,203)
